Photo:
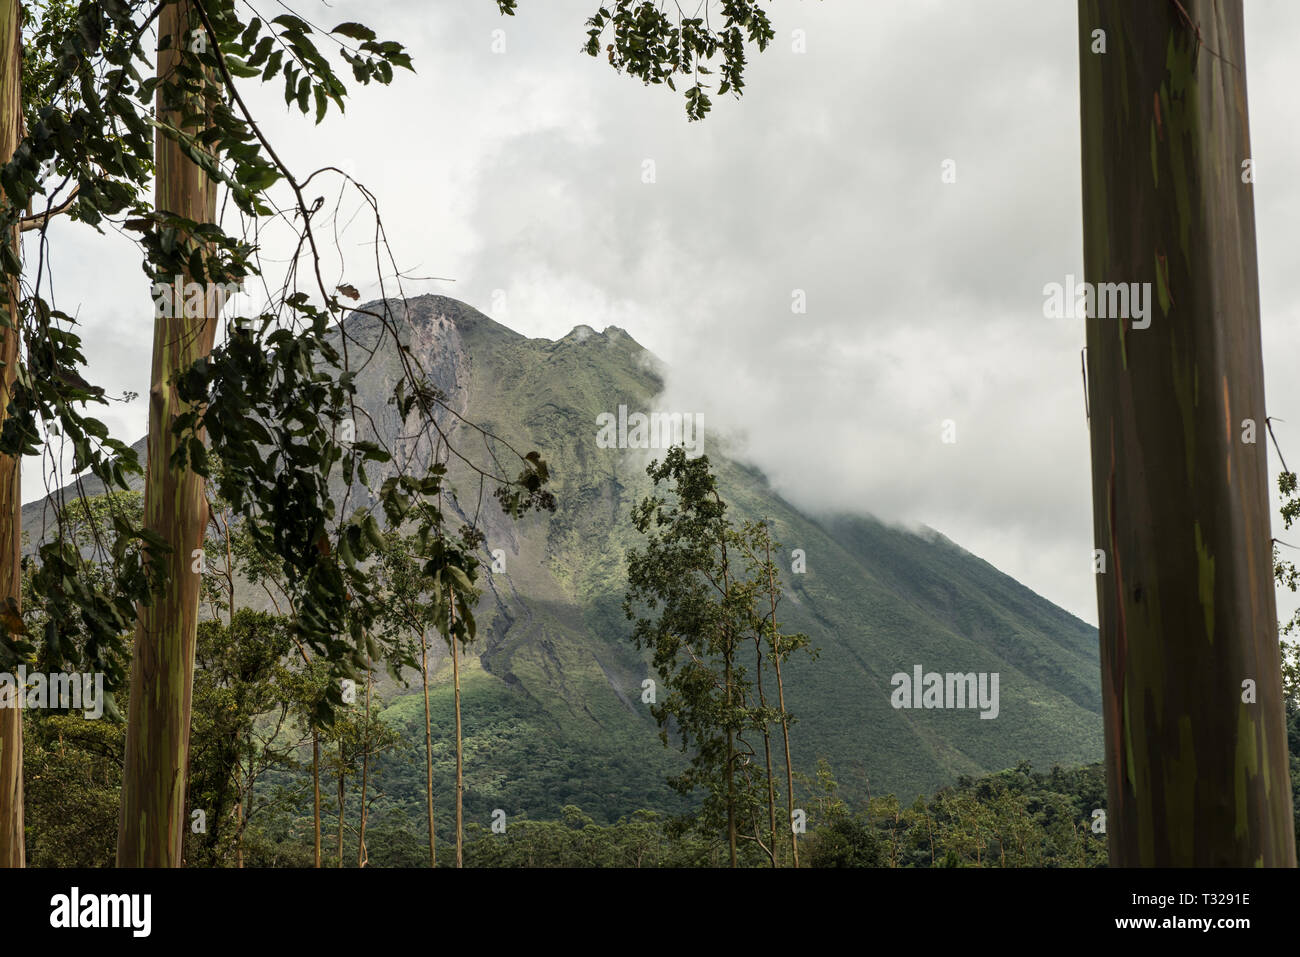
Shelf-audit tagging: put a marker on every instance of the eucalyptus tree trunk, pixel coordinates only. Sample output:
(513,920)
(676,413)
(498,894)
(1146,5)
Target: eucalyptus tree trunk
(315,789)
(1196,758)
(767,744)
(152,818)
(428,747)
(772,592)
(460,773)
(731,764)
(11,719)
(342,803)
(728,651)
(362,856)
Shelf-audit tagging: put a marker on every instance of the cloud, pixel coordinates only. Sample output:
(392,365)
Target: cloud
(523,172)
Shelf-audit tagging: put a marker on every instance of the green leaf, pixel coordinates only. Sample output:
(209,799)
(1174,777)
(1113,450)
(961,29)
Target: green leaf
(354,31)
(460,579)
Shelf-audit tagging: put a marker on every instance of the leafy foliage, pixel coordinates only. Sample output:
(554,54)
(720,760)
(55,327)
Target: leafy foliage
(694,596)
(269,400)
(240,729)
(653,46)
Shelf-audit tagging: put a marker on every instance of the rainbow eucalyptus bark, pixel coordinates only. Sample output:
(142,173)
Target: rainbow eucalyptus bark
(152,821)
(1196,763)
(11,719)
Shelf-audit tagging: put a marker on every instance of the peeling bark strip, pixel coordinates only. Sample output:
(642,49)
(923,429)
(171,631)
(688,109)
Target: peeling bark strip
(11,719)
(1195,776)
(152,821)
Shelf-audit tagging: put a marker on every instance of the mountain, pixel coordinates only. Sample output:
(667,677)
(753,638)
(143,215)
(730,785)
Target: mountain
(552,694)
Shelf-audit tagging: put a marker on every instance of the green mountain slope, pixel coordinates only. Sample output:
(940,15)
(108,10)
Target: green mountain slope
(875,598)
(552,705)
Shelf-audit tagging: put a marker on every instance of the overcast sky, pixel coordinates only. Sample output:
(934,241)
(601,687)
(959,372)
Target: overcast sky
(521,172)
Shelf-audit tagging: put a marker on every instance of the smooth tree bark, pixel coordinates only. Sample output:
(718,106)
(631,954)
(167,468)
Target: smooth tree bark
(362,857)
(342,804)
(428,746)
(11,718)
(315,789)
(731,774)
(780,700)
(767,746)
(728,652)
(1196,756)
(152,819)
(460,772)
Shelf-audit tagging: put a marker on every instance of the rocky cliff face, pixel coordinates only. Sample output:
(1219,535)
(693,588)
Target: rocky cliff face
(434,352)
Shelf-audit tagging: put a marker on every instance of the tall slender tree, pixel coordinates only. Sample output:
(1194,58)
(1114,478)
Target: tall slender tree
(452,569)
(410,610)
(691,611)
(362,857)
(204,133)
(176,509)
(780,651)
(775,649)
(453,641)
(259,570)
(428,750)
(11,721)
(1196,759)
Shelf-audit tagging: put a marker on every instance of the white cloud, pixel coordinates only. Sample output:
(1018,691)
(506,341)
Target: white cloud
(522,171)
